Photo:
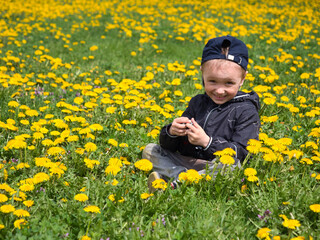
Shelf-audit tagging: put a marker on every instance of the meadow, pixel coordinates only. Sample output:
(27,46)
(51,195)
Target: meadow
(85,85)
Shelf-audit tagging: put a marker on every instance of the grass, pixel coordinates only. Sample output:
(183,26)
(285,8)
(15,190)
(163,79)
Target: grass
(47,63)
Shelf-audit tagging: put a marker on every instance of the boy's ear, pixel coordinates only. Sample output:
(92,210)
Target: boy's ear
(242,81)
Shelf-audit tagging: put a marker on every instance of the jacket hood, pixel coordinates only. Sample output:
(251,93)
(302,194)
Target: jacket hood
(251,96)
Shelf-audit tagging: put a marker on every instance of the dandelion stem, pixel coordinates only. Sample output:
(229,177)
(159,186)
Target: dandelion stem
(262,109)
(21,154)
(89,224)
(245,161)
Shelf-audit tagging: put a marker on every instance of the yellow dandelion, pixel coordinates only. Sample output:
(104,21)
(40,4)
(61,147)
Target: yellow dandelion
(6,187)
(57,168)
(114,182)
(40,177)
(144,165)
(263,233)
(78,100)
(253,178)
(254,146)
(47,142)
(7,208)
(270,119)
(294,109)
(250,172)
(269,101)
(18,223)
(25,122)
(3,198)
(81,197)
(154,133)
(85,237)
(21,213)
(159,184)
(42,162)
(22,165)
(26,187)
(92,209)
(125,161)
(178,93)
(198,86)
(146,195)
(73,138)
(91,163)
(304,75)
(32,147)
(32,113)
(311,144)
(113,142)
(54,133)
(13,104)
(90,147)
(112,169)
(244,188)
(190,176)
(112,198)
(16,143)
(270,157)
(115,162)
(28,203)
(111,110)
(315,208)
(56,151)
(94,48)
(307,161)
(38,52)
(208,177)
(227,160)
(96,127)
(229,151)
(176,82)
(38,135)
(291,223)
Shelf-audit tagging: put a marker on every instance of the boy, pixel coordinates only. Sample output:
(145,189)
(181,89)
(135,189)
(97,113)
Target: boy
(222,117)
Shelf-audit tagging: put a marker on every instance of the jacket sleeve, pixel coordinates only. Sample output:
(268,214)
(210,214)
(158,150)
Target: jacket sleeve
(168,141)
(171,142)
(246,127)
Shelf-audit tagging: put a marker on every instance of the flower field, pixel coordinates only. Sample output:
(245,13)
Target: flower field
(85,85)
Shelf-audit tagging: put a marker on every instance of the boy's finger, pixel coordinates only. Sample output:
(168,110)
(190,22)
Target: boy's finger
(182,120)
(191,127)
(194,123)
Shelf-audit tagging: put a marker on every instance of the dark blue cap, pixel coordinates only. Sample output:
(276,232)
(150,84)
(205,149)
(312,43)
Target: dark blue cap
(226,47)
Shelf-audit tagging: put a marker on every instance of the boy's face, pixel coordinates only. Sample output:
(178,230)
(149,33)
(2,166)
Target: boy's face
(222,80)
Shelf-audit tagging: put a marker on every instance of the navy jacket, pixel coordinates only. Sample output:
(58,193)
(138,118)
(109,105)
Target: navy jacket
(229,125)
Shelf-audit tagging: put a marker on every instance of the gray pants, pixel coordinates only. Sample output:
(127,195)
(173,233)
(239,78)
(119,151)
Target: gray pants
(171,164)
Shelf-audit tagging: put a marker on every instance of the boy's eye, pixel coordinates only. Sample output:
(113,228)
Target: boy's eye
(230,83)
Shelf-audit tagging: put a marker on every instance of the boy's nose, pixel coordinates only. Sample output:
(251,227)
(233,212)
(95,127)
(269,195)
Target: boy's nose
(220,90)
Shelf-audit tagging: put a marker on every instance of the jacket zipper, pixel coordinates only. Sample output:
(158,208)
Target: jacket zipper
(205,122)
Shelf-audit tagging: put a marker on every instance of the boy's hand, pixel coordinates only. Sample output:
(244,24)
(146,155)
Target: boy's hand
(178,126)
(196,134)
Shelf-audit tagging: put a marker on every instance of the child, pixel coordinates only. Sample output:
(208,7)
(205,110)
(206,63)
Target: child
(222,117)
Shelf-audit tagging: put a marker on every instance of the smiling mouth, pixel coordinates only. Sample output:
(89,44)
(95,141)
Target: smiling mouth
(217,97)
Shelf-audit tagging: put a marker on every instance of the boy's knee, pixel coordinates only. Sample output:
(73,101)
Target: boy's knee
(147,151)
